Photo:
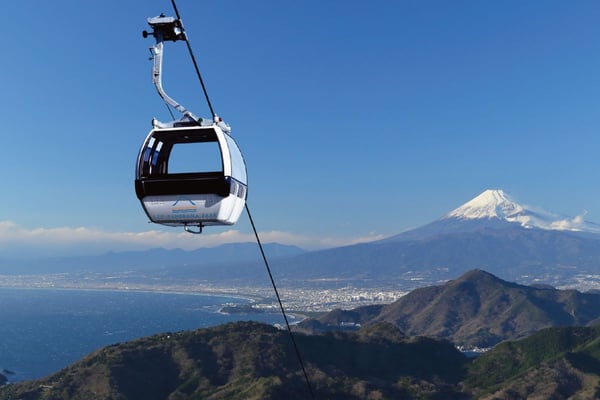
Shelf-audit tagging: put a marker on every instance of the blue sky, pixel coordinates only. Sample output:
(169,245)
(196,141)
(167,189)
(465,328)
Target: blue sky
(357,120)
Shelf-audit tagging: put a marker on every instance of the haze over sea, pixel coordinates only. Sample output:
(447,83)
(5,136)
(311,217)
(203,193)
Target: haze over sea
(44,330)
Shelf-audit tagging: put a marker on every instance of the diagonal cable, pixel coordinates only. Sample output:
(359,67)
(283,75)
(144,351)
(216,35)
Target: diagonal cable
(187,42)
(289,329)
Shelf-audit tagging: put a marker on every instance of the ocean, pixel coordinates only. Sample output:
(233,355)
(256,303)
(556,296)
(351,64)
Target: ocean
(44,330)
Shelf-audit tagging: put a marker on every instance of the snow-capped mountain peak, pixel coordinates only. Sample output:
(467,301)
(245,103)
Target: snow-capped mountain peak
(489,204)
(496,210)
(496,204)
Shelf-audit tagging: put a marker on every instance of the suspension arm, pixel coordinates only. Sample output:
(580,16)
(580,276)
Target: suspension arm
(164,28)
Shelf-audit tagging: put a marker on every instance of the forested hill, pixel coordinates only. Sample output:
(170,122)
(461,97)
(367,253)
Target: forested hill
(247,360)
(554,363)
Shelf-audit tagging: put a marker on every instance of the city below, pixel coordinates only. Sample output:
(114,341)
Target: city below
(307,298)
(297,296)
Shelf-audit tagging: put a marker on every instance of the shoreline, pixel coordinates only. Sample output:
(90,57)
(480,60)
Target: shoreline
(302,297)
(189,291)
(298,316)
(193,318)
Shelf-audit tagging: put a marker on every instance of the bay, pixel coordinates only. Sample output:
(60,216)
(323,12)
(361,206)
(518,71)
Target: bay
(44,330)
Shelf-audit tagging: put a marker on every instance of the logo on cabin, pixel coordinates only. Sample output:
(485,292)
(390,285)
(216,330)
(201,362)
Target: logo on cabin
(184,206)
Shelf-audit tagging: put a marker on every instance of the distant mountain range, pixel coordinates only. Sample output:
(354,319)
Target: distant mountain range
(490,232)
(476,310)
(150,260)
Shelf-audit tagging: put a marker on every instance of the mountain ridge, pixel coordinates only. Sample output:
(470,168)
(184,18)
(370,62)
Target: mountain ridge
(251,361)
(478,309)
(156,258)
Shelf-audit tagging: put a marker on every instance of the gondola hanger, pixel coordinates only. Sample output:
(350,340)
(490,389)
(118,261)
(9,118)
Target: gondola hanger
(199,193)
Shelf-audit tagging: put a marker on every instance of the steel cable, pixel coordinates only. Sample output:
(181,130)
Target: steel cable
(191,52)
(289,329)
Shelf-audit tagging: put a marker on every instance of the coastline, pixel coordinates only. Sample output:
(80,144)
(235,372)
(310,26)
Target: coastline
(192,290)
(298,316)
(303,296)
(76,324)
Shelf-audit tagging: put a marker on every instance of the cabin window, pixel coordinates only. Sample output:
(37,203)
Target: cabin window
(238,168)
(195,157)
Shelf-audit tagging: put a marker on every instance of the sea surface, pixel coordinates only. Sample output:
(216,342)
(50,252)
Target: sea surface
(44,330)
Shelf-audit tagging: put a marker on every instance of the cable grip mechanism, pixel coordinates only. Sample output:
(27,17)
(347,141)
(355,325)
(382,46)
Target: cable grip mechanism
(164,29)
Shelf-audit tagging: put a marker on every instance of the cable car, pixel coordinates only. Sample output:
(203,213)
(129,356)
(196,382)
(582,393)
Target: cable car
(190,172)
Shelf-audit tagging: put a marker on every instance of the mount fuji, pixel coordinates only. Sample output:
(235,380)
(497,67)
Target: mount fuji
(494,209)
(491,232)
(497,204)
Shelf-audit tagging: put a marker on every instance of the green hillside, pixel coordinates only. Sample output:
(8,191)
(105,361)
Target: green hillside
(248,360)
(253,361)
(553,363)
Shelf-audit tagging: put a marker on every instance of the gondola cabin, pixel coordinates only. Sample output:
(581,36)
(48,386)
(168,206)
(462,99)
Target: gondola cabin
(191,176)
